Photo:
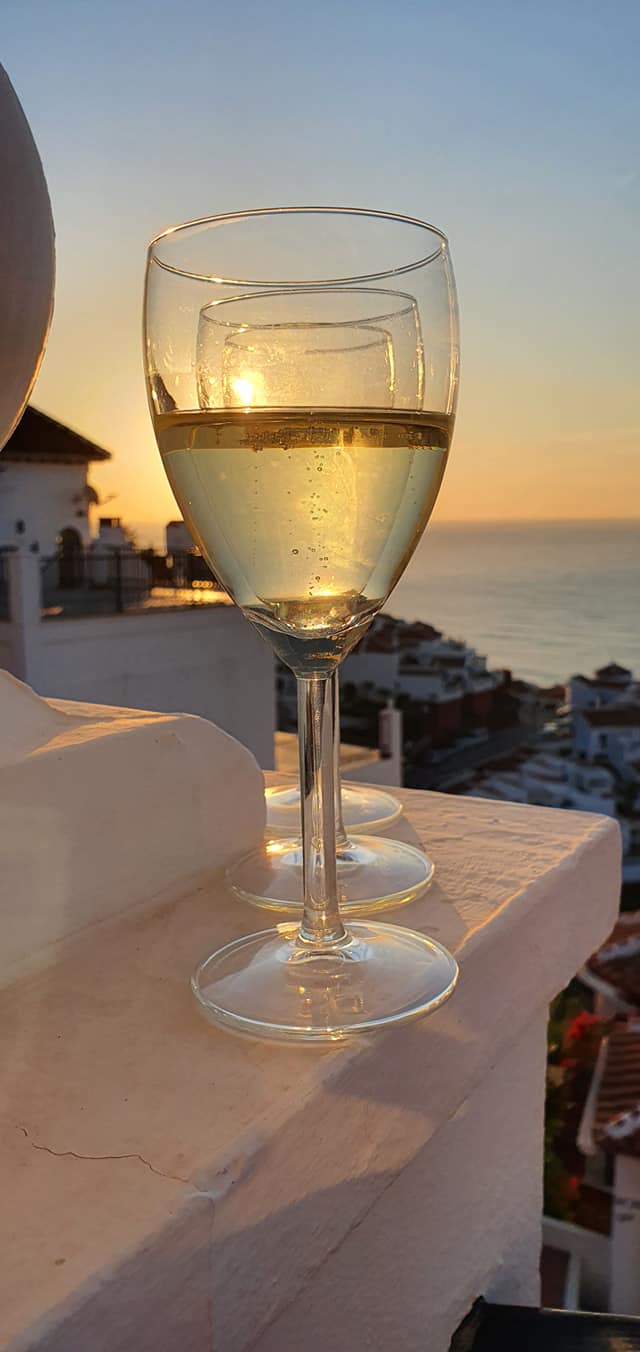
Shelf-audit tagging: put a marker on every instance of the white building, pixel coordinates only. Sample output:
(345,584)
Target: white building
(376,658)
(624,752)
(45,500)
(630,827)
(112,534)
(418,661)
(553,781)
(610,685)
(96,643)
(613,732)
(178,537)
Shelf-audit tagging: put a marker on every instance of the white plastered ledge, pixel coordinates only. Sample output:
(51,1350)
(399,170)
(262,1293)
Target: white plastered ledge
(167,1186)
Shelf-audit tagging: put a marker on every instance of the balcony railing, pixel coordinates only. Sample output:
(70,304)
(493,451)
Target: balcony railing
(115,581)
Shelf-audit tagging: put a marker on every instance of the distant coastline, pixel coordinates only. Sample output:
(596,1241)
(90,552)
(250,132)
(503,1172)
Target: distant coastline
(150,534)
(545,599)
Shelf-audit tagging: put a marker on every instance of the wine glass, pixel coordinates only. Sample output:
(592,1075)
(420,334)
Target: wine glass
(360,807)
(307,493)
(356,341)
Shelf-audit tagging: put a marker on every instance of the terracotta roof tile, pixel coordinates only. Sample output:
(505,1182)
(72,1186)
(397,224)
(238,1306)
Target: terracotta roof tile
(617,961)
(617,716)
(616,1125)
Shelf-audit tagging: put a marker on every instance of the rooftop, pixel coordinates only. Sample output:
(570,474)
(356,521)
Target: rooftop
(616,1125)
(40,439)
(616,964)
(598,683)
(613,671)
(618,716)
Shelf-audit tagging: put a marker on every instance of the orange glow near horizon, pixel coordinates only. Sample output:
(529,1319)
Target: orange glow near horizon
(502,481)
(495,482)
(530,443)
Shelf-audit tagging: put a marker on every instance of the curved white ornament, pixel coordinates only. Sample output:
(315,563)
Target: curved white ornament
(27,259)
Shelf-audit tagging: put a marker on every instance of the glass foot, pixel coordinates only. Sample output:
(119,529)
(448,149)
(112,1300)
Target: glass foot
(363,809)
(272,985)
(374,873)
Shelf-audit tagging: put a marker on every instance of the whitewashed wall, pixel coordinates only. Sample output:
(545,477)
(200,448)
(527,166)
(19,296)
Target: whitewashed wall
(203,660)
(47,498)
(199,661)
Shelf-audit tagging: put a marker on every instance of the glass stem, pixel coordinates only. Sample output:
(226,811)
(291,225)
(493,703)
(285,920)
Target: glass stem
(321,923)
(342,840)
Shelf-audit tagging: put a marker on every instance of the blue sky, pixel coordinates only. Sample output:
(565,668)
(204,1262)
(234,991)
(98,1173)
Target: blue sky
(514,126)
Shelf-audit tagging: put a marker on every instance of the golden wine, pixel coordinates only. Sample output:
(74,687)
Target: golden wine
(308,518)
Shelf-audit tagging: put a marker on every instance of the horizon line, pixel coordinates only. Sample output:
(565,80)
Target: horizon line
(537,521)
(471,521)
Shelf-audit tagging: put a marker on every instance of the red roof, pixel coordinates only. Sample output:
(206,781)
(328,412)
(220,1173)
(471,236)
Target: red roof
(388,635)
(617,961)
(616,1125)
(411,634)
(598,683)
(617,716)
(611,671)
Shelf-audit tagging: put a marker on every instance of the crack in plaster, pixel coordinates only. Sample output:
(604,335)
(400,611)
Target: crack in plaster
(75,1155)
(177,1178)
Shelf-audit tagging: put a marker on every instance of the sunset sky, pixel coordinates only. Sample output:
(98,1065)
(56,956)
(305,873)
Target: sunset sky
(514,126)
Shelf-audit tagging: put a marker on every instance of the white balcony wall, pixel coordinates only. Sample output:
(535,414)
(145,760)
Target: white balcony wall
(166,1186)
(201,660)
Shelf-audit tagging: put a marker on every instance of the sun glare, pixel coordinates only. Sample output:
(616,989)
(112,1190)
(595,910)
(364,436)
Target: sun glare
(244,390)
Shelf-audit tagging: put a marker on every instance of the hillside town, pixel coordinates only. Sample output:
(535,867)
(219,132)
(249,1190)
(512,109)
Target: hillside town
(482,733)
(487,734)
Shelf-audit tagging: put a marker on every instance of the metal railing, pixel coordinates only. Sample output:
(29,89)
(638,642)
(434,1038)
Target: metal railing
(117,581)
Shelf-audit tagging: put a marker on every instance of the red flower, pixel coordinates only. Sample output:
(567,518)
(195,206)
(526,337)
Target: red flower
(582,1025)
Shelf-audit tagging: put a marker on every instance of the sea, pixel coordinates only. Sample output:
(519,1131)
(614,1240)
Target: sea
(546,600)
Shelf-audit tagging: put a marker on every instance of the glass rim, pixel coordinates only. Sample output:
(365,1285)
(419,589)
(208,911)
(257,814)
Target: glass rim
(227,217)
(217,315)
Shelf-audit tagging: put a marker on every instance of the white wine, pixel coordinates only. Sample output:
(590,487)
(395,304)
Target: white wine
(307,517)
